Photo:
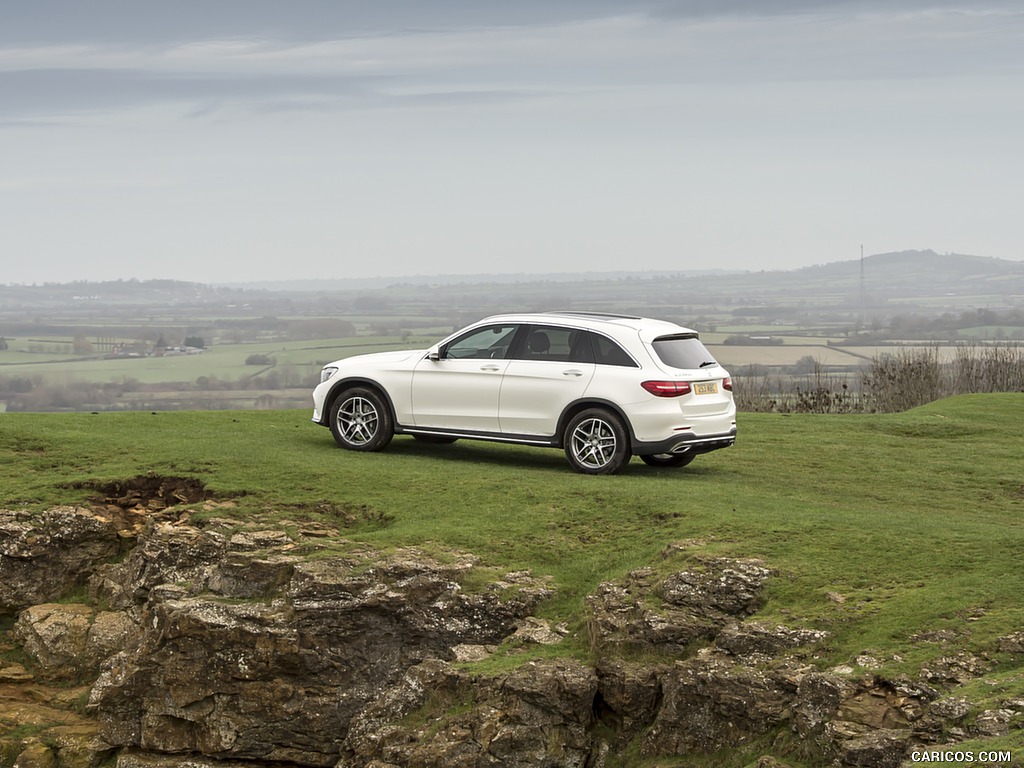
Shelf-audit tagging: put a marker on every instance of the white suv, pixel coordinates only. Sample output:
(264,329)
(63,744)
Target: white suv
(602,387)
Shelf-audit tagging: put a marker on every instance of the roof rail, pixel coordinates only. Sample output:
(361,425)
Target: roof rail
(608,315)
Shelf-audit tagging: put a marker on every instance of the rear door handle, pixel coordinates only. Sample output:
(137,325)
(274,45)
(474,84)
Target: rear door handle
(572,372)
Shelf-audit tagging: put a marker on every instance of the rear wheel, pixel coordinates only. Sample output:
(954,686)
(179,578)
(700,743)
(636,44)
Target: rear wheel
(596,442)
(361,421)
(668,459)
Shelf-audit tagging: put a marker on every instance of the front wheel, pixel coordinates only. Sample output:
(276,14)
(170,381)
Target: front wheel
(668,459)
(596,442)
(361,421)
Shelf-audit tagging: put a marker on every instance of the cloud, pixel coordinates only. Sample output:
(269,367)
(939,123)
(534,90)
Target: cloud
(767,8)
(96,91)
(567,50)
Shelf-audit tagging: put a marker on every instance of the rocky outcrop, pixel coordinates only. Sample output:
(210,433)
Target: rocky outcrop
(70,642)
(246,651)
(712,701)
(695,605)
(43,556)
(232,646)
(540,714)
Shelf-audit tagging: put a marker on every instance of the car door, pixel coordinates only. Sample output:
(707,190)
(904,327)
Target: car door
(457,389)
(551,366)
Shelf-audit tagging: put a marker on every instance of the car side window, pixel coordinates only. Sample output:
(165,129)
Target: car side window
(554,344)
(492,341)
(607,352)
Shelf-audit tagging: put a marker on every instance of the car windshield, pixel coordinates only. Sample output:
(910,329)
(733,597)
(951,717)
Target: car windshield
(683,351)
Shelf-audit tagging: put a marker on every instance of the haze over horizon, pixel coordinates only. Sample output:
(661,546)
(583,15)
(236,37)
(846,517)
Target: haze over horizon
(249,140)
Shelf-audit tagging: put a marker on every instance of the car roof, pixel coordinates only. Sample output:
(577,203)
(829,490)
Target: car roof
(648,328)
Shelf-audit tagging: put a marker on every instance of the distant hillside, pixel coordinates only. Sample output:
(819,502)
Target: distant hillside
(474,279)
(916,268)
(888,277)
(882,272)
(884,276)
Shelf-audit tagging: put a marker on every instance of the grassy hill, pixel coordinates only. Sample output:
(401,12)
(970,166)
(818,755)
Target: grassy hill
(879,529)
(900,535)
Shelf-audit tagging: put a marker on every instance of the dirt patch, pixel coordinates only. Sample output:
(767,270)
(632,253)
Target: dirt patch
(153,492)
(146,494)
(128,503)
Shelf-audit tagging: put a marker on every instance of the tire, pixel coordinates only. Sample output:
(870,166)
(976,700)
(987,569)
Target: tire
(668,459)
(361,420)
(434,439)
(596,442)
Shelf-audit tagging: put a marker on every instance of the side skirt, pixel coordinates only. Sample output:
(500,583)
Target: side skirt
(468,434)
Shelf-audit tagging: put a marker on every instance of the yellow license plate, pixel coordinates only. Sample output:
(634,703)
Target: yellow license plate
(705,388)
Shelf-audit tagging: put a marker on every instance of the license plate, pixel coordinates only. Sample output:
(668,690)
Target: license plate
(705,388)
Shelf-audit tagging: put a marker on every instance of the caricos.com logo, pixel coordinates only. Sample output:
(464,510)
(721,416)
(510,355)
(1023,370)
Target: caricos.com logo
(963,757)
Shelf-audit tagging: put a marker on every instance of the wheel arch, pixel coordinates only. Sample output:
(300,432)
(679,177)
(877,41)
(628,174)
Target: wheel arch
(581,405)
(351,382)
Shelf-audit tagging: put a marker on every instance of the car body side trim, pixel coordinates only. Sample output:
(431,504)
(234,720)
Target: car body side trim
(468,434)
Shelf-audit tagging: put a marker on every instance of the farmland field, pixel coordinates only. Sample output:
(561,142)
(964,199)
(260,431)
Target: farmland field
(224,360)
(100,347)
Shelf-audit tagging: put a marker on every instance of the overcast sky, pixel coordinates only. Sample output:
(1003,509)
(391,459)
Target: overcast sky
(229,140)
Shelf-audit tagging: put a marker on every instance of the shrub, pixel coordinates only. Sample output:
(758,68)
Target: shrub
(896,381)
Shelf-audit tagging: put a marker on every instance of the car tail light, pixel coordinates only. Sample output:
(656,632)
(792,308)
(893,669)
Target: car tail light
(667,388)
(727,383)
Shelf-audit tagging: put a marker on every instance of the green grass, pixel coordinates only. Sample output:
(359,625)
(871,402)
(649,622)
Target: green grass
(914,520)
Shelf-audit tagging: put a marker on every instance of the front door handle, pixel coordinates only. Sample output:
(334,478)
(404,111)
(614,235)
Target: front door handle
(490,367)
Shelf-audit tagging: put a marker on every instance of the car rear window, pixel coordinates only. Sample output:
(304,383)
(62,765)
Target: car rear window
(683,351)
(607,352)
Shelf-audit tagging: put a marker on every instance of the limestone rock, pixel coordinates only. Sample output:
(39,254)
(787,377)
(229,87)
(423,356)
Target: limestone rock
(168,554)
(993,722)
(818,697)
(78,745)
(749,638)
(538,715)
(695,604)
(42,556)
(1011,643)
(36,754)
(133,758)
(55,635)
(955,670)
(951,708)
(72,641)
(628,695)
(711,702)
(279,678)
(728,586)
(12,672)
(534,630)
(875,749)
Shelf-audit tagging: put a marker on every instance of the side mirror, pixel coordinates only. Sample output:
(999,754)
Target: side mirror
(433,355)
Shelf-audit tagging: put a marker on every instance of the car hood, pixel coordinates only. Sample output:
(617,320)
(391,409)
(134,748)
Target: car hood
(380,357)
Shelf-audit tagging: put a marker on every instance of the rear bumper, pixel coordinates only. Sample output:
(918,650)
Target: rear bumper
(686,444)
